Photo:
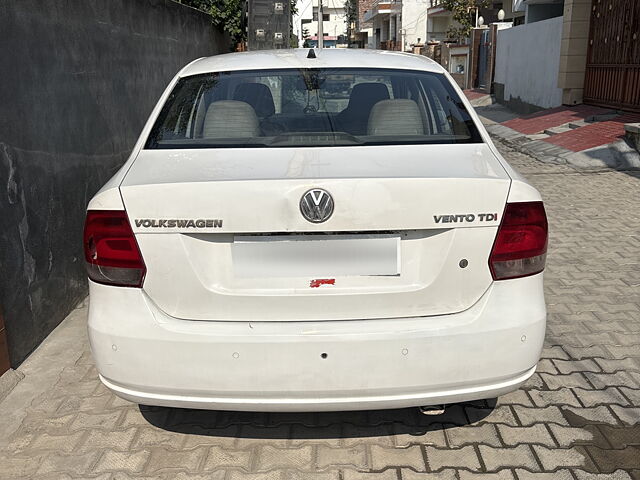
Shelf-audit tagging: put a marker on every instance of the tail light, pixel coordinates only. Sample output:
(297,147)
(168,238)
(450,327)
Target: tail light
(111,250)
(520,248)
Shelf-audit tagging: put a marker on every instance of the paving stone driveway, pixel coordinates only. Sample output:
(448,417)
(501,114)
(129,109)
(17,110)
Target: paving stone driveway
(578,417)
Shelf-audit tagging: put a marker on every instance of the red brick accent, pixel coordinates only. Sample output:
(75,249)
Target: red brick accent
(363,6)
(594,135)
(554,117)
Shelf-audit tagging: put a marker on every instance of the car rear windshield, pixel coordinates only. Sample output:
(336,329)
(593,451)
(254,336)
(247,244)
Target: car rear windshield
(312,107)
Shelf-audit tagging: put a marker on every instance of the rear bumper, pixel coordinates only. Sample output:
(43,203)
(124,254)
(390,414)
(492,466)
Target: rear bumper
(148,357)
(316,404)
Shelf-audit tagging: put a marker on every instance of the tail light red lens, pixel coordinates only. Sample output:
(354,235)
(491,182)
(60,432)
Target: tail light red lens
(111,250)
(520,248)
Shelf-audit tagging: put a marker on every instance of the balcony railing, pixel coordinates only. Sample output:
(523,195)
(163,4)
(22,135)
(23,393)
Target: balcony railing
(383,7)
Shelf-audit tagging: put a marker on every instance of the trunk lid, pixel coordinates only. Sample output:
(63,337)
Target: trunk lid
(223,237)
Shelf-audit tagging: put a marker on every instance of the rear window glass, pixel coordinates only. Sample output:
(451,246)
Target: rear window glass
(312,107)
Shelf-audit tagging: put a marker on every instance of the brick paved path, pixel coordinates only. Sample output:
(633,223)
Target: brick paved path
(578,418)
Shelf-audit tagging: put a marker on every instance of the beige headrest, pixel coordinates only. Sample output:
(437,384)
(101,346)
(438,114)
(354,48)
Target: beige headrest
(230,119)
(395,117)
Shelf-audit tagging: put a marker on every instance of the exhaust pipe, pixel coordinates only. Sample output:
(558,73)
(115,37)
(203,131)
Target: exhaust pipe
(432,410)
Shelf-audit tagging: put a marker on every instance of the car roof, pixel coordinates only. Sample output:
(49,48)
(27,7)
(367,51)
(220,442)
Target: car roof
(298,58)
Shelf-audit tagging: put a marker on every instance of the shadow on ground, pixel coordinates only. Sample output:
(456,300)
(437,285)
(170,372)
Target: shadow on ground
(495,113)
(632,173)
(322,425)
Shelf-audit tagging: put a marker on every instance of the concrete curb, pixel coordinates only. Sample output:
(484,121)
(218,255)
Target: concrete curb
(618,155)
(632,133)
(8,381)
(483,101)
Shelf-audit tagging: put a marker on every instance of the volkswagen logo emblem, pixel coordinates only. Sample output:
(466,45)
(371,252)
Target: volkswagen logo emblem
(316,205)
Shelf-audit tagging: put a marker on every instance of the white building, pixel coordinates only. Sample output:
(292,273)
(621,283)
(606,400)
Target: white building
(334,24)
(397,24)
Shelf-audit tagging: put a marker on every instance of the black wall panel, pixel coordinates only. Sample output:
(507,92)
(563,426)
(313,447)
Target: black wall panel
(78,80)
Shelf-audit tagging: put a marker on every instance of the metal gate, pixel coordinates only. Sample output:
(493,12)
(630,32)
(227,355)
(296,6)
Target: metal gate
(612,78)
(483,59)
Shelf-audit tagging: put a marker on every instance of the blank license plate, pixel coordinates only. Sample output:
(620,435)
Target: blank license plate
(315,256)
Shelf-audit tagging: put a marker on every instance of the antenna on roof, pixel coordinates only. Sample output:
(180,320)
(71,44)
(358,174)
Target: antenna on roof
(311,54)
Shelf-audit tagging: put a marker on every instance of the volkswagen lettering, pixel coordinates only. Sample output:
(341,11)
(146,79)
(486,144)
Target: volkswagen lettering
(315,232)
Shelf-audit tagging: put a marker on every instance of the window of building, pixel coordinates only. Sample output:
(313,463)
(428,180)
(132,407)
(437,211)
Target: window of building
(325,17)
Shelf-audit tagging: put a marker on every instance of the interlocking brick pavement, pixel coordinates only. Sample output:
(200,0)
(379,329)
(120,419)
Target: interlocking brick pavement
(593,135)
(553,117)
(578,418)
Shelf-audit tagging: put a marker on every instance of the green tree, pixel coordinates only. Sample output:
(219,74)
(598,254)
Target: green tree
(225,14)
(351,16)
(305,37)
(464,12)
(229,15)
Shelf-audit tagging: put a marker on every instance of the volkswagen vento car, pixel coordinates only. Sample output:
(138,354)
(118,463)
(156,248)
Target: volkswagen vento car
(315,230)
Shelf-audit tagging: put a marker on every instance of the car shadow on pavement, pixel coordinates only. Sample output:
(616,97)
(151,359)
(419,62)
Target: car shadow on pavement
(632,173)
(314,425)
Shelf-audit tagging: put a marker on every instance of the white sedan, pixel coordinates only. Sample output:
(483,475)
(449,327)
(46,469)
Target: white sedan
(305,230)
